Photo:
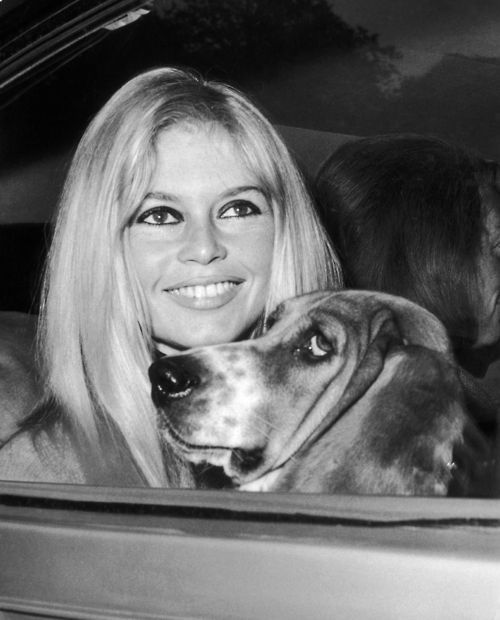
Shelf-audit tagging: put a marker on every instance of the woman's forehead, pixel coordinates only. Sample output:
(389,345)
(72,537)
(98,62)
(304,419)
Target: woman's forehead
(206,146)
(252,152)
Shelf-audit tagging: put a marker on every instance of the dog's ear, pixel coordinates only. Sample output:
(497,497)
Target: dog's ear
(398,321)
(417,325)
(368,370)
(392,321)
(396,438)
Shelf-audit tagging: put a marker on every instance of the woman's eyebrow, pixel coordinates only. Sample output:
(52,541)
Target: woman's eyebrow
(234,191)
(159,196)
(243,188)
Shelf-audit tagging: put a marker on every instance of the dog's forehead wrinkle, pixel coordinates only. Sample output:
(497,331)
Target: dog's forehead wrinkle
(295,309)
(303,313)
(334,324)
(285,322)
(354,305)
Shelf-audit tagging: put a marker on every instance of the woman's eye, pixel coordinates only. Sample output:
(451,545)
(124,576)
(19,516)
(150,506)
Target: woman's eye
(160,216)
(319,346)
(239,208)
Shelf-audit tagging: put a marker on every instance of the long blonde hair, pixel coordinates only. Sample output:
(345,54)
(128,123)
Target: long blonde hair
(95,331)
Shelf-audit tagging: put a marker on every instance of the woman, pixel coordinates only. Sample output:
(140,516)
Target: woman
(418,217)
(183,222)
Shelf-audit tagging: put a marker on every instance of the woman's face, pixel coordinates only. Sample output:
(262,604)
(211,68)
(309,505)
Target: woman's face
(489,269)
(202,240)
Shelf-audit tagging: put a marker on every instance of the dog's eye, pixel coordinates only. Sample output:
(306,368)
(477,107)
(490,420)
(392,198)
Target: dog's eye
(318,346)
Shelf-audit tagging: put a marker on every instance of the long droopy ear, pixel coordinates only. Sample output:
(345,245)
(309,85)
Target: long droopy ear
(381,332)
(393,321)
(416,324)
(390,321)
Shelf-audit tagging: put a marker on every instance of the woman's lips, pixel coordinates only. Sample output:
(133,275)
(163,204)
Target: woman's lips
(205,296)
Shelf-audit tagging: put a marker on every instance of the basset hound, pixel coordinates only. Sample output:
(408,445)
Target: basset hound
(346,392)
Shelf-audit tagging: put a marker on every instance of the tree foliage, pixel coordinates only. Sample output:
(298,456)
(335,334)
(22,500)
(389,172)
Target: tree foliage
(239,34)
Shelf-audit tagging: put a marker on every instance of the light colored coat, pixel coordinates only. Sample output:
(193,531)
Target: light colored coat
(28,457)
(19,387)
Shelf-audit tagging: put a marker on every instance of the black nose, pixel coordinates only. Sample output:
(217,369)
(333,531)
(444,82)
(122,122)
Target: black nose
(171,378)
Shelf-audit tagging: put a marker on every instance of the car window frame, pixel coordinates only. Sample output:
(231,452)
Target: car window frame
(188,553)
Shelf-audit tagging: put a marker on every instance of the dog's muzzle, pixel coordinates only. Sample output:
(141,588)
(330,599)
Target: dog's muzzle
(179,386)
(171,380)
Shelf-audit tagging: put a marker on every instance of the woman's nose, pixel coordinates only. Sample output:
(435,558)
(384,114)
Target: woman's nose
(202,244)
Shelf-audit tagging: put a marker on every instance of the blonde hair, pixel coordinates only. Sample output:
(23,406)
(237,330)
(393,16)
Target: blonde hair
(95,333)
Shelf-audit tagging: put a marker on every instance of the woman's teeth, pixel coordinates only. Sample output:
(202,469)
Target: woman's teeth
(201,291)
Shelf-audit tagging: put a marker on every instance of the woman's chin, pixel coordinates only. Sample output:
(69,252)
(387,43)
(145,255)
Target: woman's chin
(203,333)
(172,347)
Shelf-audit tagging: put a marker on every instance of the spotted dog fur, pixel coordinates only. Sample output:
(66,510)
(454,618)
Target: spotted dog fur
(349,391)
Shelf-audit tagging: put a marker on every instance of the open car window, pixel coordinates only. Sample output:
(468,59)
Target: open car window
(324,72)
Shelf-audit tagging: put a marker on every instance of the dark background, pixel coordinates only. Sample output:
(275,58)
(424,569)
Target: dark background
(355,67)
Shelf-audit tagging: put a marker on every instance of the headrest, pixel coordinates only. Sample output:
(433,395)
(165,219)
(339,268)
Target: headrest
(311,147)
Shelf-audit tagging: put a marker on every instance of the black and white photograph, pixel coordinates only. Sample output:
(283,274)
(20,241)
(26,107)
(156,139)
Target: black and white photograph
(249,309)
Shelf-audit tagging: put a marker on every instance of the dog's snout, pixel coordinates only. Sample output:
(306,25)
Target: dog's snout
(171,379)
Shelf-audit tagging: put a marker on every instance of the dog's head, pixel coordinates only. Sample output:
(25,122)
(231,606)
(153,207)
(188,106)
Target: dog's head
(249,406)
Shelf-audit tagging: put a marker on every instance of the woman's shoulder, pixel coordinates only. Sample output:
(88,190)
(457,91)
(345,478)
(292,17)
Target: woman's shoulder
(39,456)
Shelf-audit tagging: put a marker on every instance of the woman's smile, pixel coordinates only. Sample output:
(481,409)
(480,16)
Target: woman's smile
(205,296)
(202,240)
